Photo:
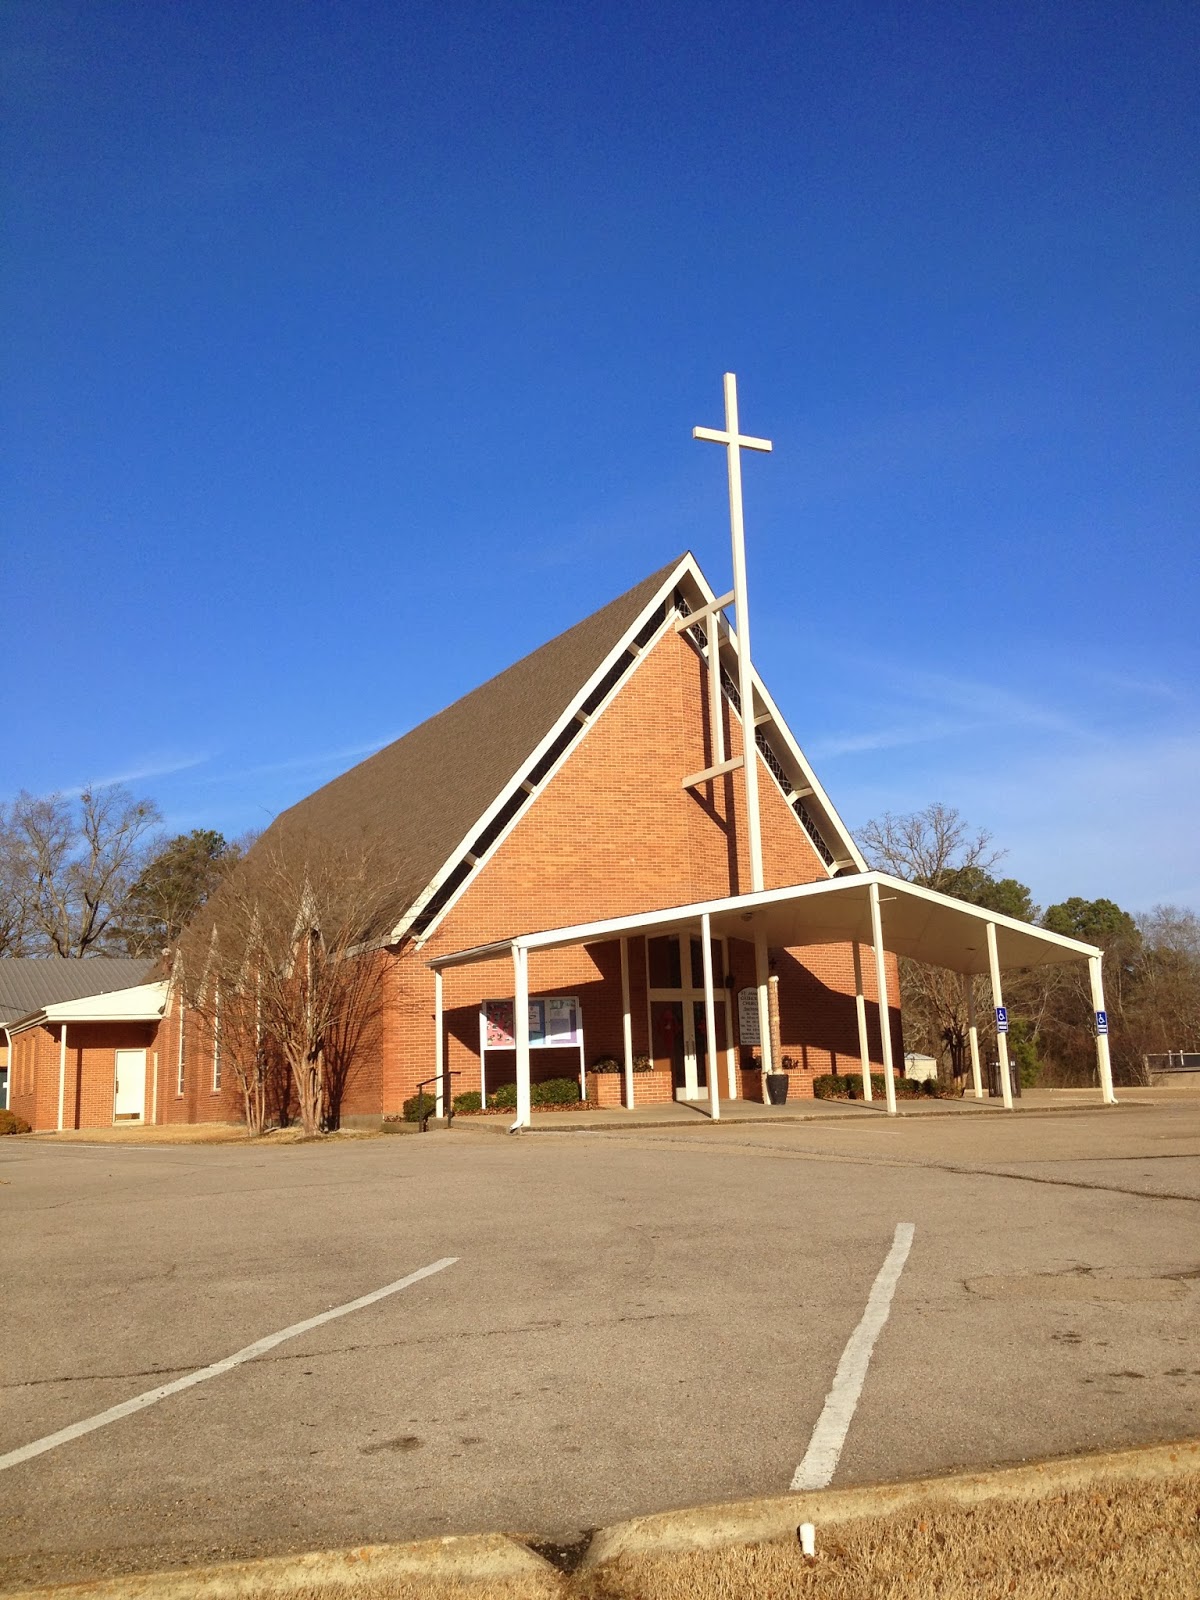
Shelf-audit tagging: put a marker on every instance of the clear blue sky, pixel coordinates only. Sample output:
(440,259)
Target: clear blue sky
(352,350)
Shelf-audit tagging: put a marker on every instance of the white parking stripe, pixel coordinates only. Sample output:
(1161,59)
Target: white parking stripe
(258,1348)
(829,1435)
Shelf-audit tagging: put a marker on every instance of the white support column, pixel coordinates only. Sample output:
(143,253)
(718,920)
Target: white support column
(885,1021)
(710,1018)
(154,1090)
(729,1009)
(62,1075)
(521,1031)
(1103,1059)
(716,719)
(483,1056)
(649,1002)
(860,1008)
(626,1024)
(973,1035)
(439,1048)
(998,1003)
(762,975)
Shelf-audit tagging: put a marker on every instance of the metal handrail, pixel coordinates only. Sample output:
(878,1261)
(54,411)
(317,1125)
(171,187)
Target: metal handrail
(447,1101)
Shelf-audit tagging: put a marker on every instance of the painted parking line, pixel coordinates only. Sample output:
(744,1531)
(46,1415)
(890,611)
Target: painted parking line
(260,1346)
(829,1435)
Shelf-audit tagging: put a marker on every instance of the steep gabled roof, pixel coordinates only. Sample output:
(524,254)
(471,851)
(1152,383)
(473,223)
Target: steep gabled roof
(27,983)
(413,803)
(430,807)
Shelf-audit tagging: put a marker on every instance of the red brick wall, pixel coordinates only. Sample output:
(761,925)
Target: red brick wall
(613,833)
(90,1069)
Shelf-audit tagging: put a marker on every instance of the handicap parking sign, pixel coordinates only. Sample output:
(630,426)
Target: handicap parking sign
(1102,1022)
(1001,1019)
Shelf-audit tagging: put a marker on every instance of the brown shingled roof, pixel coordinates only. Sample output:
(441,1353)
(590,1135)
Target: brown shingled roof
(414,802)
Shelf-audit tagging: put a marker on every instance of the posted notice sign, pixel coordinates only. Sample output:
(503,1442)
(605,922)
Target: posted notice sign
(1102,1022)
(1001,1019)
(748,1031)
(554,1023)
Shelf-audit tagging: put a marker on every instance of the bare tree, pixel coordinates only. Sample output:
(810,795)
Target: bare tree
(75,861)
(934,847)
(938,849)
(279,961)
(14,888)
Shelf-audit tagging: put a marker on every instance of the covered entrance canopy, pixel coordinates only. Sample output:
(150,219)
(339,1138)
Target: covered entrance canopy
(868,910)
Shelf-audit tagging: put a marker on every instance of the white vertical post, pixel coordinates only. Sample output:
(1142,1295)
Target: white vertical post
(885,1021)
(1103,1059)
(716,720)
(730,1024)
(521,1031)
(860,1008)
(998,1002)
(439,1048)
(762,976)
(62,1075)
(973,1035)
(710,1017)
(649,1002)
(154,1090)
(626,1024)
(483,1054)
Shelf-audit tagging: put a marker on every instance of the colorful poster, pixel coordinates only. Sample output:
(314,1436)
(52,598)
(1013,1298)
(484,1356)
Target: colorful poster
(498,1020)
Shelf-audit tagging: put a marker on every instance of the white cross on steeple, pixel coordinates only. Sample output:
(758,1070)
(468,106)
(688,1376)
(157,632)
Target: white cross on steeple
(735,443)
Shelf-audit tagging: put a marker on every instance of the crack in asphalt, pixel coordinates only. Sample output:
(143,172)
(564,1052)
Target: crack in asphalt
(838,1158)
(550,1324)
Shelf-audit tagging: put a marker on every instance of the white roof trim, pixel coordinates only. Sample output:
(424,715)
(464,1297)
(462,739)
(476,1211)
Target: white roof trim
(744,906)
(687,563)
(143,1003)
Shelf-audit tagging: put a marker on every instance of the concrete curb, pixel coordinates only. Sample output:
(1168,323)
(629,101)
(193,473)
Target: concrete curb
(752,1521)
(476,1558)
(470,1559)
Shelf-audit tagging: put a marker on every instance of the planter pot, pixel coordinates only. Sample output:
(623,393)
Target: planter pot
(777,1088)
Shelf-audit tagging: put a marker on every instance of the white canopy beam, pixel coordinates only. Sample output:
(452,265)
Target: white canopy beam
(968,983)
(1001,1031)
(710,1019)
(860,1009)
(1103,1059)
(885,1018)
(626,1025)
(521,1032)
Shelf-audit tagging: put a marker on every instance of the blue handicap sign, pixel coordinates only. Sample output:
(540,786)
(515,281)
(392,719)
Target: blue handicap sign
(1102,1022)
(1001,1019)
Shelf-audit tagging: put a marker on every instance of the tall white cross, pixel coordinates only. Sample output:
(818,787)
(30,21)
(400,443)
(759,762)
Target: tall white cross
(735,443)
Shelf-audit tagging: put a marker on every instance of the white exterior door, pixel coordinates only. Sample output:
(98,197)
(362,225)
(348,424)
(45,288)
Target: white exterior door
(129,1090)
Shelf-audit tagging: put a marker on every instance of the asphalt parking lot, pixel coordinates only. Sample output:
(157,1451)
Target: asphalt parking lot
(631,1322)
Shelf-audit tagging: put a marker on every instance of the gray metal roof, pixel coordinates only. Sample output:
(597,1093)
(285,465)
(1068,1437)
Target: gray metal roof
(27,983)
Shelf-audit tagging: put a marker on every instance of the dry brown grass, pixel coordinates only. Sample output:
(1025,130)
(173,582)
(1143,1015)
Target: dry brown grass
(1119,1540)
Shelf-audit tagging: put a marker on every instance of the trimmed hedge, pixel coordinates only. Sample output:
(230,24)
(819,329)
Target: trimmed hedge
(419,1106)
(470,1100)
(848,1086)
(554,1092)
(10,1122)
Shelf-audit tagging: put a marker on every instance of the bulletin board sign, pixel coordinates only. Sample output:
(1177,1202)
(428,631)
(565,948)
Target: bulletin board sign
(748,1029)
(555,1023)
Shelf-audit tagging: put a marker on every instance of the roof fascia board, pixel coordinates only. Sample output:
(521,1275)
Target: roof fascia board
(686,565)
(613,927)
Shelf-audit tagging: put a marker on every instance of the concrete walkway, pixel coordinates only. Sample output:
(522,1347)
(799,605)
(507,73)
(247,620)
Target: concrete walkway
(683,1114)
